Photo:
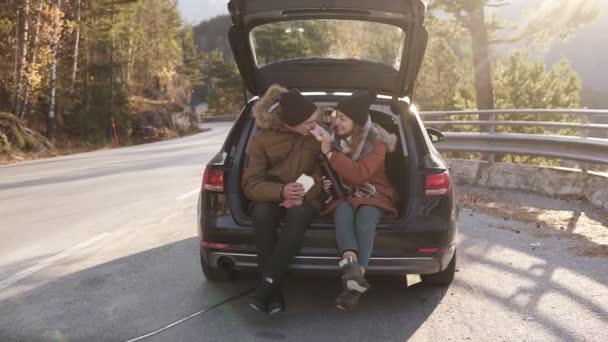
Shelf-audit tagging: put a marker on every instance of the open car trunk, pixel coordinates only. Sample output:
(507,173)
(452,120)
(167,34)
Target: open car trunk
(389,68)
(398,169)
(375,45)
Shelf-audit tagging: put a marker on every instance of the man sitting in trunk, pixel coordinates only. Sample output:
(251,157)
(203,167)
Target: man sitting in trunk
(278,154)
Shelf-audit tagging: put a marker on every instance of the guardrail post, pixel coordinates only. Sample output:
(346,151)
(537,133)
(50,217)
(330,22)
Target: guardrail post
(492,130)
(586,132)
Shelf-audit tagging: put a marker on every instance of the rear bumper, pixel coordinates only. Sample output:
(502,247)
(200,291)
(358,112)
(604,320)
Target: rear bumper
(406,265)
(396,245)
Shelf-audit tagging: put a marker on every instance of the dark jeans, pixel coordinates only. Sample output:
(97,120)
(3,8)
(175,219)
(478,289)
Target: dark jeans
(275,252)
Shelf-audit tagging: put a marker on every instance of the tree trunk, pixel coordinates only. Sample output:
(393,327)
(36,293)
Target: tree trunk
(483,69)
(16,62)
(127,74)
(55,43)
(76,44)
(481,59)
(85,108)
(112,80)
(23,39)
(26,97)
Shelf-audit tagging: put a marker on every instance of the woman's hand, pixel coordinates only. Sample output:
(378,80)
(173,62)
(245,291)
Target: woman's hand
(323,137)
(326,185)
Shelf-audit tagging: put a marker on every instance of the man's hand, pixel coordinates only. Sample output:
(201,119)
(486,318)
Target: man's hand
(293,191)
(291,203)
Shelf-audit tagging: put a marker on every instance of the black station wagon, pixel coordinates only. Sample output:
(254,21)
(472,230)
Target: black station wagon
(327,50)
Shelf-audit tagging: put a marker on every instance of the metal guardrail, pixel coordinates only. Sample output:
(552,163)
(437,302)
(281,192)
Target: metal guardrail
(582,149)
(218,118)
(579,126)
(588,150)
(518,111)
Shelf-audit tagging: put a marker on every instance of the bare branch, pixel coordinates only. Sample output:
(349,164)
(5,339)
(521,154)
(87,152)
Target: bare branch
(498,4)
(510,40)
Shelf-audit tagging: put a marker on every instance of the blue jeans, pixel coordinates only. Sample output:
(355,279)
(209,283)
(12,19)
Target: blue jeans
(355,231)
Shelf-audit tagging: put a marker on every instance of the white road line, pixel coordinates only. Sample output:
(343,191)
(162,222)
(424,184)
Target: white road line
(169,217)
(47,262)
(188,194)
(166,327)
(198,313)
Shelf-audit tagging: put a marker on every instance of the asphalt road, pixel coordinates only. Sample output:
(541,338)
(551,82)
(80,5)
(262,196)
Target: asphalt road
(102,247)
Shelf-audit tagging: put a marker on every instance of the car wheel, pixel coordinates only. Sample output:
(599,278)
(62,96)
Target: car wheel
(443,278)
(214,274)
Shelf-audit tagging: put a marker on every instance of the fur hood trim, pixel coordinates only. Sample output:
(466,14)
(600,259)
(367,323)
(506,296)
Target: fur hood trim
(389,139)
(372,132)
(264,111)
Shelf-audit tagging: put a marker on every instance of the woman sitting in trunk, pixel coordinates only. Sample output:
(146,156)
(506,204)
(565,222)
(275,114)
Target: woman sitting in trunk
(356,150)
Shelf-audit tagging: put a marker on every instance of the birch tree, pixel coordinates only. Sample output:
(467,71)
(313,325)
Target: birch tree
(28,86)
(22,53)
(57,15)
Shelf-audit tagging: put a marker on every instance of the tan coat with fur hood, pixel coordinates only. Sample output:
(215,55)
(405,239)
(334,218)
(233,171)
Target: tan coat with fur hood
(277,156)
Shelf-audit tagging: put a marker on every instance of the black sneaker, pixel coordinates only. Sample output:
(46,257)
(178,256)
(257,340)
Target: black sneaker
(258,304)
(347,300)
(276,302)
(259,300)
(352,275)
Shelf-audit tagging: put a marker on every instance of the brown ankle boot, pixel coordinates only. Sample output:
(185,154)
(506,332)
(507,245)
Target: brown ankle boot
(352,275)
(347,300)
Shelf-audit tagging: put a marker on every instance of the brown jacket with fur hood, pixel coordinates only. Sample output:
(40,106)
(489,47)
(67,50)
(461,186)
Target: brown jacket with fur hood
(362,170)
(277,156)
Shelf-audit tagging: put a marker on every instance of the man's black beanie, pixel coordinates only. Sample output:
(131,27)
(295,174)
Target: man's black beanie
(295,107)
(356,106)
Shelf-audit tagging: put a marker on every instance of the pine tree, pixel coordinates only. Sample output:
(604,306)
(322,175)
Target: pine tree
(486,31)
(225,85)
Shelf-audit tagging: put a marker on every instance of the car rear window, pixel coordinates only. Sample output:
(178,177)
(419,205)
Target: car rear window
(328,39)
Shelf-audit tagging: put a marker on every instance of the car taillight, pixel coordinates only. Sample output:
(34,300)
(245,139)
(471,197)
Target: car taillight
(431,250)
(214,245)
(213,180)
(437,184)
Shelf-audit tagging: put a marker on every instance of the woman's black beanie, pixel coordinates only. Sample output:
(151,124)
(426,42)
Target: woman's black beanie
(356,106)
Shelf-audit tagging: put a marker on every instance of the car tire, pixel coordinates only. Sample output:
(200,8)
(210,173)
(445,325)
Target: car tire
(443,278)
(214,274)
